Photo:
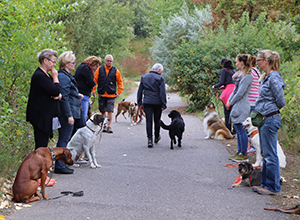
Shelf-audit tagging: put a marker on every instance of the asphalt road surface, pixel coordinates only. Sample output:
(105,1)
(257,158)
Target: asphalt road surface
(136,182)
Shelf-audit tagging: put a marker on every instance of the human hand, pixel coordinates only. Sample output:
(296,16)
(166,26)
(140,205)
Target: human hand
(81,96)
(228,105)
(57,97)
(70,120)
(117,95)
(94,94)
(54,75)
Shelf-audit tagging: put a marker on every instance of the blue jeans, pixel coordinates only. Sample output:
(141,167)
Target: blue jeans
(85,106)
(242,138)
(268,145)
(252,108)
(64,134)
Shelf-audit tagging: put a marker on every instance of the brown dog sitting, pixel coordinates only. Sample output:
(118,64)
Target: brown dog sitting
(36,165)
(250,176)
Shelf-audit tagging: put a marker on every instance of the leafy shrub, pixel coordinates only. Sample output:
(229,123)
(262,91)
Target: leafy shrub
(195,67)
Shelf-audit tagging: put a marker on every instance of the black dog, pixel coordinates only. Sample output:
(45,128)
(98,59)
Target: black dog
(176,128)
(250,176)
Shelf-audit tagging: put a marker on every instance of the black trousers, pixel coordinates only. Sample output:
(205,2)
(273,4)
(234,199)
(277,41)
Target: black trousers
(152,112)
(226,115)
(41,139)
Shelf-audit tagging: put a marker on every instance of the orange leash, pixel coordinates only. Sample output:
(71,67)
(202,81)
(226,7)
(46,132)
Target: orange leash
(232,165)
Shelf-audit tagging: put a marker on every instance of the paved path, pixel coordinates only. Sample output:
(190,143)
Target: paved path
(139,183)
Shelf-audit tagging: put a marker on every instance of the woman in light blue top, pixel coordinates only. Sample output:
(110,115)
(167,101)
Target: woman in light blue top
(270,101)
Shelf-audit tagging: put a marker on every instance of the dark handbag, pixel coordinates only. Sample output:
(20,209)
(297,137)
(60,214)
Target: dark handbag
(257,118)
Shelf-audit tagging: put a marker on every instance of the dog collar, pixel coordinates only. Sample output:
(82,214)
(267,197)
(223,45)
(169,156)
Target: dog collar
(52,153)
(90,128)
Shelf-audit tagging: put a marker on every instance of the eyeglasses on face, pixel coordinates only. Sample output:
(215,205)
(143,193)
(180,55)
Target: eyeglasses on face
(73,63)
(54,62)
(109,61)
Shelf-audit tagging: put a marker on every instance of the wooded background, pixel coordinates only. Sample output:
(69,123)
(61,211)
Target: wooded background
(189,37)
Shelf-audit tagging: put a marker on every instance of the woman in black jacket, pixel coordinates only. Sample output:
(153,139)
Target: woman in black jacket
(84,76)
(43,98)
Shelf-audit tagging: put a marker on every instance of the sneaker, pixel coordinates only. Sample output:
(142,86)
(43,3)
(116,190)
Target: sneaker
(233,156)
(109,130)
(156,140)
(150,144)
(240,158)
(104,128)
(251,151)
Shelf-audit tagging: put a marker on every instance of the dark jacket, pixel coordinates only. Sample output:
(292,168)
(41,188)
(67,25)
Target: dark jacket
(225,77)
(152,90)
(41,108)
(70,103)
(107,82)
(85,79)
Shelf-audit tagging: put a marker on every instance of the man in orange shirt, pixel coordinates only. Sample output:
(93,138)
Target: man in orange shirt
(108,77)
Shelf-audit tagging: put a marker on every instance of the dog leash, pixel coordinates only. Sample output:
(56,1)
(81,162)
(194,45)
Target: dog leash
(66,193)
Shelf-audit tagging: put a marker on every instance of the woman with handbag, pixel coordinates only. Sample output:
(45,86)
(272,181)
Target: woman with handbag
(239,102)
(228,84)
(70,105)
(270,101)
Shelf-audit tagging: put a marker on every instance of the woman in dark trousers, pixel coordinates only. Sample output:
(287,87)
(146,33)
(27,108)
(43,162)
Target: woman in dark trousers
(152,95)
(43,98)
(70,105)
(228,84)
(84,76)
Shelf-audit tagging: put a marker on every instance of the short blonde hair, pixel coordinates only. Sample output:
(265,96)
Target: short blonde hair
(93,60)
(272,57)
(66,57)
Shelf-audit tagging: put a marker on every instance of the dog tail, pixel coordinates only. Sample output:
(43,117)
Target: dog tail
(164,126)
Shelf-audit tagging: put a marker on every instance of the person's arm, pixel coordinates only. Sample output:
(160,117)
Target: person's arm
(119,82)
(163,96)
(140,93)
(242,89)
(96,78)
(277,88)
(222,79)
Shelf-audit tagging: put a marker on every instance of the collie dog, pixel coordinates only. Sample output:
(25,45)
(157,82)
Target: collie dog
(214,126)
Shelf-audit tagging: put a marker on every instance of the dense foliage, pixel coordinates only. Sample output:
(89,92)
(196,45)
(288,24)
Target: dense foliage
(188,39)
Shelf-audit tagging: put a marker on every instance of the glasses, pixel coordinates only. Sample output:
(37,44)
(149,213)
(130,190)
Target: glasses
(54,62)
(259,60)
(108,60)
(73,63)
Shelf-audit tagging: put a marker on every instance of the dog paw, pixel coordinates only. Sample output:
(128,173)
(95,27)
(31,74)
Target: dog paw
(93,166)
(207,137)
(98,166)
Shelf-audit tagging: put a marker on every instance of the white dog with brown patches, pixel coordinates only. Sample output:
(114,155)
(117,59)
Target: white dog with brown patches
(254,137)
(86,138)
(214,126)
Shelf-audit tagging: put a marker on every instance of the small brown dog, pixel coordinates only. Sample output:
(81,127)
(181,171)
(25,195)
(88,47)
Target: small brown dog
(250,176)
(36,165)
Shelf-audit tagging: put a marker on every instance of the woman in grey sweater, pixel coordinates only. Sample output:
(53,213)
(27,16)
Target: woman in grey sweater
(240,105)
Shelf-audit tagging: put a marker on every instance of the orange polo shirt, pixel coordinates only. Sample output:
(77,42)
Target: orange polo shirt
(118,79)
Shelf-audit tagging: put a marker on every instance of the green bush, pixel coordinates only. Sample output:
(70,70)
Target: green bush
(195,67)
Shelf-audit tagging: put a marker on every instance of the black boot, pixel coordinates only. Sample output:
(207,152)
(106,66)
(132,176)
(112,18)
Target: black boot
(150,144)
